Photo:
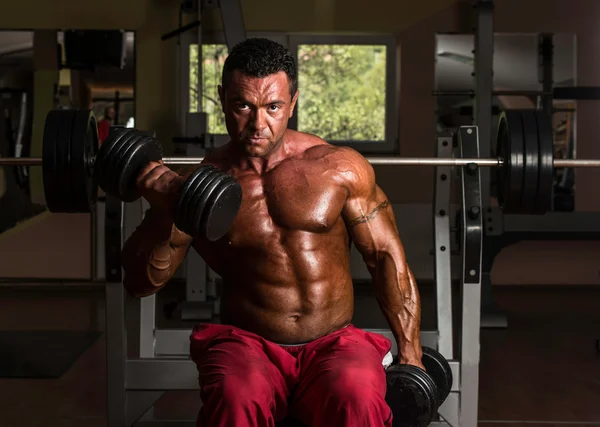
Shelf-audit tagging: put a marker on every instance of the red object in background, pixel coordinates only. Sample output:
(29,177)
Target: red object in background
(103,127)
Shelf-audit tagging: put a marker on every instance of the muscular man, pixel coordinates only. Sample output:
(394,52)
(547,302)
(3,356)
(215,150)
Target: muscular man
(285,344)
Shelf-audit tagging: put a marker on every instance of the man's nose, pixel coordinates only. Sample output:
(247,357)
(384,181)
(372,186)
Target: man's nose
(259,120)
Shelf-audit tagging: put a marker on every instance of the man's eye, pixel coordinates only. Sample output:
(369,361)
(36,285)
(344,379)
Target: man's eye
(274,107)
(242,106)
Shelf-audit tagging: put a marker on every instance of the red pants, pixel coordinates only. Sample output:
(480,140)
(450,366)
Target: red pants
(246,381)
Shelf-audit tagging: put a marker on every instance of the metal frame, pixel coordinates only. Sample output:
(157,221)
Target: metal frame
(442,248)
(472,244)
(491,316)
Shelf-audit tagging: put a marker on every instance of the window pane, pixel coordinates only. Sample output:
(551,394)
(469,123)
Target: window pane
(213,59)
(342,91)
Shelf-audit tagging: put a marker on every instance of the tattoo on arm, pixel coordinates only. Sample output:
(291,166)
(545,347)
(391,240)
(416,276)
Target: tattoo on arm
(366,218)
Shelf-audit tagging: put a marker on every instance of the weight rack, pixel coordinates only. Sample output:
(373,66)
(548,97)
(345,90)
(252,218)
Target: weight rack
(161,361)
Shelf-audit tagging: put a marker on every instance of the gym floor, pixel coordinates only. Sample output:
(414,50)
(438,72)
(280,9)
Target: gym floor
(543,369)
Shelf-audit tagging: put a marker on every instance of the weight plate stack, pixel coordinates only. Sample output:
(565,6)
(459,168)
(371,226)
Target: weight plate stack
(141,151)
(186,218)
(52,191)
(221,209)
(209,202)
(411,395)
(531,164)
(106,165)
(70,138)
(545,191)
(510,146)
(84,146)
(438,367)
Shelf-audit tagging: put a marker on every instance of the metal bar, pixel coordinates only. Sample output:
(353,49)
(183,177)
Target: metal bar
(398,161)
(471,281)
(148,304)
(115,318)
(441,227)
(233,22)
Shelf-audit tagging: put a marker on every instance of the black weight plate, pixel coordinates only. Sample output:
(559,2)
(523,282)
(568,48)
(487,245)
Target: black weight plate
(121,159)
(119,155)
(510,146)
(531,171)
(84,146)
(111,164)
(543,202)
(105,156)
(104,151)
(144,151)
(439,369)
(221,209)
(119,166)
(203,193)
(189,192)
(63,156)
(411,396)
(52,191)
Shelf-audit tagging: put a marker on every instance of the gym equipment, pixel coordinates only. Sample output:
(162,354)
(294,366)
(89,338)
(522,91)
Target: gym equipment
(73,167)
(69,145)
(414,394)
(209,203)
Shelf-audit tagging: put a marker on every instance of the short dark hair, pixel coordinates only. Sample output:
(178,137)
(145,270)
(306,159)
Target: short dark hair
(260,57)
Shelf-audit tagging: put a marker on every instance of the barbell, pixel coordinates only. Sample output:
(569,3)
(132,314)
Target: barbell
(74,166)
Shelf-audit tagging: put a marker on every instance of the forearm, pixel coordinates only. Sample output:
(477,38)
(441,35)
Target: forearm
(398,297)
(147,255)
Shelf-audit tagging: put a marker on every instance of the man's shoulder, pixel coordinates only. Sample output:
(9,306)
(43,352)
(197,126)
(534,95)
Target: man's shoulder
(349,167)
(314,147)
(344,158)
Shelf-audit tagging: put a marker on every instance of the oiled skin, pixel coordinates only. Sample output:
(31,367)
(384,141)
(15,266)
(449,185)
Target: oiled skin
(285,260)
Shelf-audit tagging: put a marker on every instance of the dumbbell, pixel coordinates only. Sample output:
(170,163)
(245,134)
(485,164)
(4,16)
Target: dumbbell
(209,199)
(415,395)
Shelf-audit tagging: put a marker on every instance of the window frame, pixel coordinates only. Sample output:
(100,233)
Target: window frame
(292,41)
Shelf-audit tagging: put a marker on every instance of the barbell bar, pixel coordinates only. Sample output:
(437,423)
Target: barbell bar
(392,161)
(74,166)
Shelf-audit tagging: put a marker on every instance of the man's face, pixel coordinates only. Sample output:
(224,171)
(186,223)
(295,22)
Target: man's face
(257,111)
(110,113)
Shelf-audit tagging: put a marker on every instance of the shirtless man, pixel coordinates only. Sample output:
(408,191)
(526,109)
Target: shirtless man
(285,345)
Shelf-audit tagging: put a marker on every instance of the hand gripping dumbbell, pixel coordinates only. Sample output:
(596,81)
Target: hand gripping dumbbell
(209,200)
(413,394)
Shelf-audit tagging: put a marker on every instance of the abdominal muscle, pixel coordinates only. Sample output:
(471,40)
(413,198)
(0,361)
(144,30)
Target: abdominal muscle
(290,293)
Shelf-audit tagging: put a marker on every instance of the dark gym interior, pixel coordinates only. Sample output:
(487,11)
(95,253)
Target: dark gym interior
(416,67)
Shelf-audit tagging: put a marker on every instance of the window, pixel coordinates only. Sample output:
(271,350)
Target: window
(347,88)
(213,59)
(342,91)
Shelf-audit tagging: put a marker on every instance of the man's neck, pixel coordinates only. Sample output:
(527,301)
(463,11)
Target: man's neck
(267,162)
